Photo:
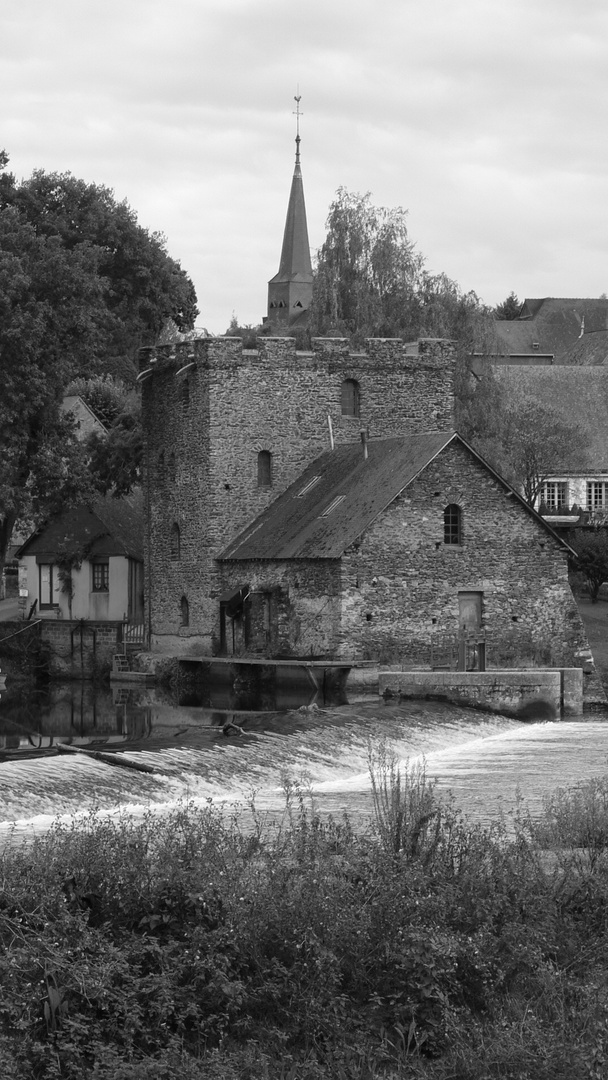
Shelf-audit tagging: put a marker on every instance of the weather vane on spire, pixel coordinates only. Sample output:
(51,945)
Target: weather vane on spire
(297,98)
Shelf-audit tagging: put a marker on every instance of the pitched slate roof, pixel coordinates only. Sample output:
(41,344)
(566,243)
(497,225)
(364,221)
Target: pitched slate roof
(554,323)
(85,419)
(294,525)
(108,527)
(298,526)
(579,393)
(590,350)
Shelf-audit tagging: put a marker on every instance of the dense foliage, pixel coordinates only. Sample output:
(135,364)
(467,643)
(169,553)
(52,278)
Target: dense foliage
(114,457)
(370,281)
(82,285)
(509,309)
(592,557)
(190,945)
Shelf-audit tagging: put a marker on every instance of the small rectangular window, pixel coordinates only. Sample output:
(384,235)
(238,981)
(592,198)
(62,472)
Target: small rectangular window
(47,584)
(101,576)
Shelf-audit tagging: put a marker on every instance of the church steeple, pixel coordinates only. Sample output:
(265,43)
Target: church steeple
(290,291)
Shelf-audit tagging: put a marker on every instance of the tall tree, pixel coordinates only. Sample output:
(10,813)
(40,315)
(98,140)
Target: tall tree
(370,281)
(82,285)
(537,443)
(592,551)
(144,286)
(367,270)
(509,309)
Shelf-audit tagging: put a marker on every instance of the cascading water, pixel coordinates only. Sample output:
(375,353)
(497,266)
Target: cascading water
(483,759)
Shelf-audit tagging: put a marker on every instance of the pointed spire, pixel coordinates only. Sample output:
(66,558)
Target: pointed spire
(297,100)
(290,291)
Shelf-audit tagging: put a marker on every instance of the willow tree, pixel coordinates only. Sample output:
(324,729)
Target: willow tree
(370,281)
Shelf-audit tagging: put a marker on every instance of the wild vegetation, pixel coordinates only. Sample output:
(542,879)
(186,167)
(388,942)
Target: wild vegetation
(197,945)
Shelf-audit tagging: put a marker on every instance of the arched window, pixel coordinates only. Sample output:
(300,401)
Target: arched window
(452,524)
(184,609)
(264,468)
(175,541)
(350,398)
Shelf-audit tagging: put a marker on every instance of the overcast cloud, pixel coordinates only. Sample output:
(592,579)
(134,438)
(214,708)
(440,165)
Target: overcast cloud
(485,119)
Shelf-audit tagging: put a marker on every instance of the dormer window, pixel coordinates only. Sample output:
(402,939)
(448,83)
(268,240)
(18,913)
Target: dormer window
(332,506)
(308,487)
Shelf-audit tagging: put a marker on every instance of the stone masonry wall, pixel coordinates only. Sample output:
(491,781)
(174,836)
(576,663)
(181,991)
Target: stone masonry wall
(304,606)
(205,426)
(401,581)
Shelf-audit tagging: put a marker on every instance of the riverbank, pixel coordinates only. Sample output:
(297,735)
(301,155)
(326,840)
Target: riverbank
(420,947)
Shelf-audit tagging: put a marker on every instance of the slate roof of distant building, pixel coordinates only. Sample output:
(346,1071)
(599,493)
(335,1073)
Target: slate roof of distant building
(339,495)
(84,417)
(108,527)
(578,393)
(551,325)
(590,350)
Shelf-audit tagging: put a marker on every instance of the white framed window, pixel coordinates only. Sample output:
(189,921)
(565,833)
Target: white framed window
(554,494)
(597,495)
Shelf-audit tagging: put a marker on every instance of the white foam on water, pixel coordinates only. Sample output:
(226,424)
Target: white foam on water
(482,759)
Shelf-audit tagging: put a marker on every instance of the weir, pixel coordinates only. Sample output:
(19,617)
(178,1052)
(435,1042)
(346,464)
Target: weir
(482,758)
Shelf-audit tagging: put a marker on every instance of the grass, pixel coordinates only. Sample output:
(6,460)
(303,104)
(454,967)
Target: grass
(190,946)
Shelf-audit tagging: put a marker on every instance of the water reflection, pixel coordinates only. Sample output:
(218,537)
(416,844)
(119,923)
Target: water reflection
(36,719)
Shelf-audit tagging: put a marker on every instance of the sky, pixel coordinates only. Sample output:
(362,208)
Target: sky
(486,120)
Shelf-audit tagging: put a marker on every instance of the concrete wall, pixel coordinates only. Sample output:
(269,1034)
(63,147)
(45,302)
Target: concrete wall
(527,695)
(205,428)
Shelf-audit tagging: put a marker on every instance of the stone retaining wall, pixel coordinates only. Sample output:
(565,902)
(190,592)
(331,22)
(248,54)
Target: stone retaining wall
(80,650)
(527,695)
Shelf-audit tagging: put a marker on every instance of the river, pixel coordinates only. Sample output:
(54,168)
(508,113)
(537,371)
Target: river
(482,759)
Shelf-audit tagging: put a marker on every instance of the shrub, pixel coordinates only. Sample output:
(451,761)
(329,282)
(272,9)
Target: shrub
(205,943)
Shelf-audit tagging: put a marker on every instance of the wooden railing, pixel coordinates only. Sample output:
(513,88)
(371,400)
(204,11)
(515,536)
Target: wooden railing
(133,636)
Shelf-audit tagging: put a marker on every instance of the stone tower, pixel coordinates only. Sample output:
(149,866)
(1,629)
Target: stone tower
(290,290)
(228,429)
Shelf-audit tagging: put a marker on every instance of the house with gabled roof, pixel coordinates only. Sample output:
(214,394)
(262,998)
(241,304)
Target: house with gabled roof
(86,563)
(378,548)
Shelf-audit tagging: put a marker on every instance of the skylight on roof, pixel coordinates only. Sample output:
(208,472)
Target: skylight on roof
(308,487)
(332,506)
